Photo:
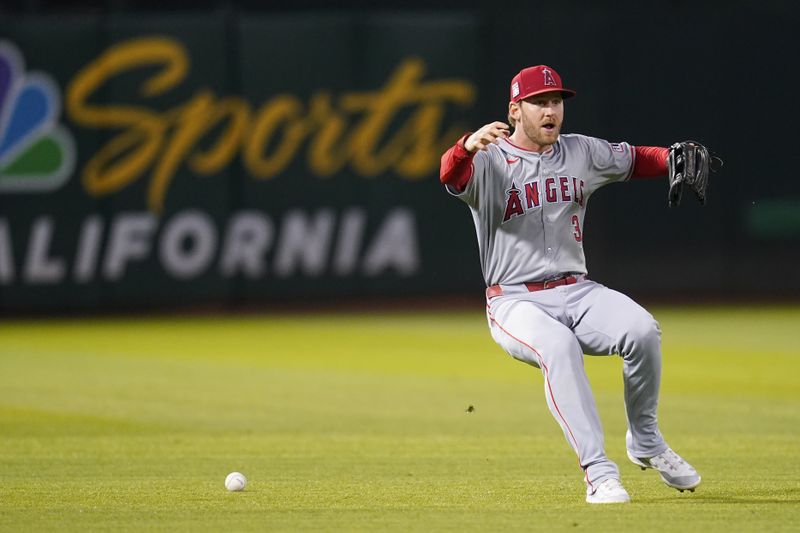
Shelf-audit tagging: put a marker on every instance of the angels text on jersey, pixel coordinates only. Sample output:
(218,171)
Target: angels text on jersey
(554,190)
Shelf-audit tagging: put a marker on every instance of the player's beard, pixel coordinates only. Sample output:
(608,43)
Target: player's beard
(537,134)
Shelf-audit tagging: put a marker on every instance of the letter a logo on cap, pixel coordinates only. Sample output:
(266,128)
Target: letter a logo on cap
(548,78)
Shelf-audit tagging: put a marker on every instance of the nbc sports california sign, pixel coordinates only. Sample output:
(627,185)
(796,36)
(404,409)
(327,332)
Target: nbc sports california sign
(145,169)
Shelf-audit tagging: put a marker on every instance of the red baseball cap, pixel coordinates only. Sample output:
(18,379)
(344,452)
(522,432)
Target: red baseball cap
(535,80)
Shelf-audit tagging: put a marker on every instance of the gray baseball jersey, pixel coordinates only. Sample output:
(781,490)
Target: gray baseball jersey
(528,208)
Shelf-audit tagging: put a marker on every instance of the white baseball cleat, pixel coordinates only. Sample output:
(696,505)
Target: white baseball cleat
(674,470)
(609,491)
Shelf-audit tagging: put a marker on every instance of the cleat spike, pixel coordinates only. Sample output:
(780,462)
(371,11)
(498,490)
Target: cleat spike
(643,469)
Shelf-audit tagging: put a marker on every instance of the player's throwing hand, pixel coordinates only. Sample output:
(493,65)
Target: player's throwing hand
(489,134)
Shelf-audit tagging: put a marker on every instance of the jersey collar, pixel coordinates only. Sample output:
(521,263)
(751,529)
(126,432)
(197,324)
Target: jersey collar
(518,150)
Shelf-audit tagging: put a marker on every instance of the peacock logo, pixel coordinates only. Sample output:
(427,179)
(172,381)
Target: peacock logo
(37,154)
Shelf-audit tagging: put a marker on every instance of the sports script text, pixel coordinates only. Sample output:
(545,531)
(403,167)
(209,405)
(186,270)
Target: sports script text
(397,128)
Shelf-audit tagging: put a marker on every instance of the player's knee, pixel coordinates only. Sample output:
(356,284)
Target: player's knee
(561,350)
(516,348)
(644,334)
(550,351)
(526,356)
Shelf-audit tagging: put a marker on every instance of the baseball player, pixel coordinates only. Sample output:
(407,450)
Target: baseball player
(527,190)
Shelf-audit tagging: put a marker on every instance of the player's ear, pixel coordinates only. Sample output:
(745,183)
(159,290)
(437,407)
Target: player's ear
(513,113)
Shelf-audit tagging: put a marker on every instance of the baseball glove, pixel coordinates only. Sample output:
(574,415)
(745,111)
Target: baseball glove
(689,163)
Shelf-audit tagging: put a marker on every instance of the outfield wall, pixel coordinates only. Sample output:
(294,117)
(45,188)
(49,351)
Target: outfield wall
(244,158)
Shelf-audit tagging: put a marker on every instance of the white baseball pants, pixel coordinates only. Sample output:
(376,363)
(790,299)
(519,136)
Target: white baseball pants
(551,329)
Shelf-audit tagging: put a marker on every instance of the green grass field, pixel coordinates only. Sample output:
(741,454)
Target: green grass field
(360,422)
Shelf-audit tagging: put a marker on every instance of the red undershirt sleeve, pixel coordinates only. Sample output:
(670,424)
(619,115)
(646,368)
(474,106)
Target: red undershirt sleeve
(651,162)
(456,169)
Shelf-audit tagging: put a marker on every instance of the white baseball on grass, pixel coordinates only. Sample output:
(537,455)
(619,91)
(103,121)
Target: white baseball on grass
(235,481)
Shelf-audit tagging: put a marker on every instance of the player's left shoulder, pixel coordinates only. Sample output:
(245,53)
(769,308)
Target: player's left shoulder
(575,137)
(571,138)
(573,141)
(602,145)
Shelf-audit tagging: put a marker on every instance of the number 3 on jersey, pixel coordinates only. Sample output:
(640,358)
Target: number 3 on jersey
(576,223)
